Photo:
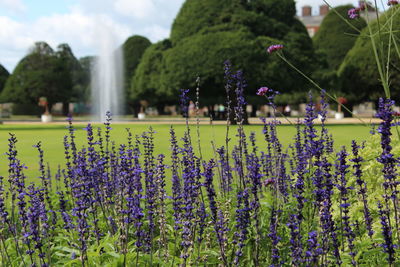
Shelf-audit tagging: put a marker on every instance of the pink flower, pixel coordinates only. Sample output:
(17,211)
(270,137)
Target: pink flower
(267,182)
(353,13)
(274,48)
(263,91)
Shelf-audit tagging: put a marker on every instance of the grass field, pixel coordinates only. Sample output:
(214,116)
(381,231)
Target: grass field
(51,137)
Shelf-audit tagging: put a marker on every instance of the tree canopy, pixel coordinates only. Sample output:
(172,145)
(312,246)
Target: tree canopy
(359,74)
(206,33)
(3,76)
(133,49)
(43,73)
(336,37)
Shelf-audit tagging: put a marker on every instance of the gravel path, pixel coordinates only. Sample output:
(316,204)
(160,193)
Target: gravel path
(193,121)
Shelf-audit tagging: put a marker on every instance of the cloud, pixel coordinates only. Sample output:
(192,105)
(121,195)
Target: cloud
(13,36)
(16,6)
(79,30)
(138,8)
(80,25)
(76,28)
(156,32)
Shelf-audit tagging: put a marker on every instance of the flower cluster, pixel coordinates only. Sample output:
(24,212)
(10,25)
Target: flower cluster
(252,204)
(274,48)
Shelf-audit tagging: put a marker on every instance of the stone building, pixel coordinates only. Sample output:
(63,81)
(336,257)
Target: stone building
(313,22)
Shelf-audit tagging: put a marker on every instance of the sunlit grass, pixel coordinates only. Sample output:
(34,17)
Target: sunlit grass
(51,137)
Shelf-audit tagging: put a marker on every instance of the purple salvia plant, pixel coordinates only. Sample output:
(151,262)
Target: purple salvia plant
(228,90)
(92,175)
(239,91)
(82,197)
(37,222)
(71,131)
(295,240)
(298,190)
(341,172)
(225,171)
(176,182)
(300,171)
(326,140)
(68,224)
(216,214)
(255,176)
(311,145)
(150,185)
(329,231)
(275,238)
(46,184)
(16,186)
(189,195)
(267,155)
(278,161)
(314,250)
(201,222)
(229,112)
(362,186)
(239,117)
(184,101)
(387,159)
(124,192)
(161,205)
(242,223)
(388,246)
(238,167)
(68,174)
(4,220)
(134,205)
(3,210)
(12,171)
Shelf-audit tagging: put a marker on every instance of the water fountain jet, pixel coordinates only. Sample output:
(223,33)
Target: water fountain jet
(107,76)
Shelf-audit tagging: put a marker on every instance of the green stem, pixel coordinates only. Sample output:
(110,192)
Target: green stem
(378,63)
(316,85)
(340,16)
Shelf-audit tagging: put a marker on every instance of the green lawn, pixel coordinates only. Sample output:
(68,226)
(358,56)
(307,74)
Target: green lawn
(51,137)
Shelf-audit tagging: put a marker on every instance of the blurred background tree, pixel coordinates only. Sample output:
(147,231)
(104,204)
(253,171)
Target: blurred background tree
(3,77)
(358,74)
(334,39)
(133,50)
(43,73)
(206,33)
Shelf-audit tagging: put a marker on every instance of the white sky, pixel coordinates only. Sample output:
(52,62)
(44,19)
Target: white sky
(23,22)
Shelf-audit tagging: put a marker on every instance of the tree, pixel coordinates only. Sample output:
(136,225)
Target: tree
(332,42)
(4,74)
(206,33)
(86,64)
(358,74)
(133,49)
(70,74)
(336,37)
(39,74)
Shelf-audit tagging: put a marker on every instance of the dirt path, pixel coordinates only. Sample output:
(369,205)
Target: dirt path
(203,121)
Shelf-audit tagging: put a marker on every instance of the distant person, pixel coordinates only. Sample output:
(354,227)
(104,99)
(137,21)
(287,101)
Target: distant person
(287,111)
(221,112)
(191,109)
(205,111)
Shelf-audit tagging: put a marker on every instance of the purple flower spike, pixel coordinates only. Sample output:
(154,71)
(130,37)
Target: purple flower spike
(274,48)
